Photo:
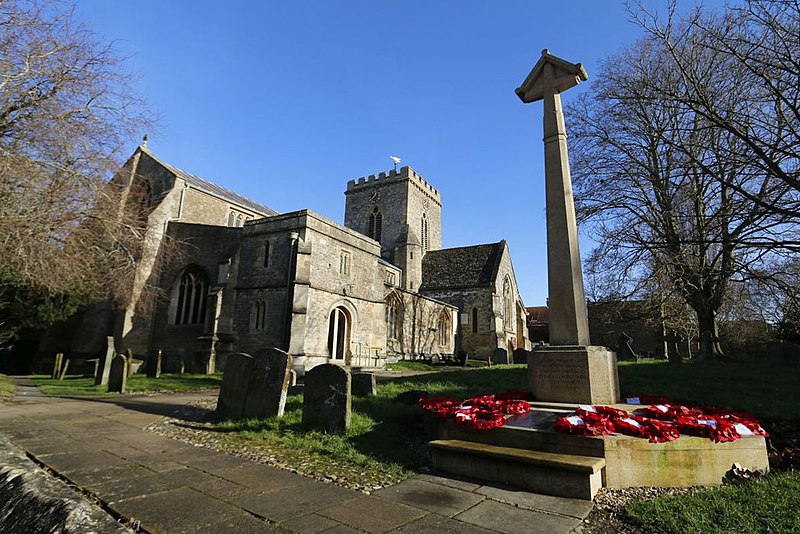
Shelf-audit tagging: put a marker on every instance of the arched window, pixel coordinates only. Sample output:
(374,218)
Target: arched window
(239,221)
(508,301)
(338,333)
(423,234)
(474,320)
(231,219)
(394,310)
(266,253)
(374,224)
(444,329)
(191,308)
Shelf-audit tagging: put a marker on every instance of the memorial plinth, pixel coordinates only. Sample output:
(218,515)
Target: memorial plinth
(569,370)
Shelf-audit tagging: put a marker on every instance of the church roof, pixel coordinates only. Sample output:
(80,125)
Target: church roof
(472,266)
(209,187)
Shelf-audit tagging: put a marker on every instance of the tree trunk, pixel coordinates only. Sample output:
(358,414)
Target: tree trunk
(710,348)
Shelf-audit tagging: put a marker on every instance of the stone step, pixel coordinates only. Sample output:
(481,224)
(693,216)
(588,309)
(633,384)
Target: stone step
(562,475)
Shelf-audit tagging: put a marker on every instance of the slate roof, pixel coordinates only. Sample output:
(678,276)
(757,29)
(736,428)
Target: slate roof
(474,266)
(214,189)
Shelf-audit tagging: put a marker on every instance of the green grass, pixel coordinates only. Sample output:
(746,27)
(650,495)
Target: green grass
(377,446)
(766,391)
(7,388)
(77,385)
(766,505)
(406,365)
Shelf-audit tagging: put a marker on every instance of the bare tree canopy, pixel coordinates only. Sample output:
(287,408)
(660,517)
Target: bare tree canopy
(66,112)
(685,157)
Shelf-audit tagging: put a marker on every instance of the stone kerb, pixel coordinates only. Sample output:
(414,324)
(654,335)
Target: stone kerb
(326,399)
(118,376)
(255,386)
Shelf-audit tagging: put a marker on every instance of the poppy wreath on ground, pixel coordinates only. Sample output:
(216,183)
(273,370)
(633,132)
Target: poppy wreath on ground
(479,413)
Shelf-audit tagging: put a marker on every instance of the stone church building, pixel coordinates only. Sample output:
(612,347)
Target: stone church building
(234,275)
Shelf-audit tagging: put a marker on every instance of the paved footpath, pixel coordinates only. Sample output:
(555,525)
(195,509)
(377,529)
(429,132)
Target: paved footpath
(167,486)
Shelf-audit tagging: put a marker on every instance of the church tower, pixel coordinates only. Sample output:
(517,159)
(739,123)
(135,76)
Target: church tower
(401,211)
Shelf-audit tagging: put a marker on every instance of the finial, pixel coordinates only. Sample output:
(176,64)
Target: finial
(144,141)
(545,51)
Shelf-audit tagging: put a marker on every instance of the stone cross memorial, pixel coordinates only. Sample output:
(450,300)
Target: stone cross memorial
(326,398)
(568,370)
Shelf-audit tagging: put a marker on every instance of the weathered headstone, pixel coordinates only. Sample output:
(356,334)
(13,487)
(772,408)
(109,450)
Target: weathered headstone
(154,364)
(118,375)
(255,386)
(326,400)
(363,384)
(181,367)
(520,355)
(128,362)
(57,365)
(64,369)
(102,377)
(233,390)
(570,370)
(500,355)
(269,381)
(96,363)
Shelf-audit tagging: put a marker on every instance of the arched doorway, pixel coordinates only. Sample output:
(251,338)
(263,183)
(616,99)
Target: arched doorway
(339,335)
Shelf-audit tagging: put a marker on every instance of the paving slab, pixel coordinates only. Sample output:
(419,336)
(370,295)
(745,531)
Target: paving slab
(452,482)
(437,498)
(577,508)
(295,501)
(441,525)
(262,478)
(185,510)
(310,524)
(510,520)
(361,513)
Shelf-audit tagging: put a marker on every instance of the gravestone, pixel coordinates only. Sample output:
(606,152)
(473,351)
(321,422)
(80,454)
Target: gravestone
(64,369)
(326,400)
(102,377)
(96,363)
(118,375)
(255,386)
(128,362)
(520,355)
(57,365)
(233,390)
(500,355)
(363,384)
(154,364)
(569,370)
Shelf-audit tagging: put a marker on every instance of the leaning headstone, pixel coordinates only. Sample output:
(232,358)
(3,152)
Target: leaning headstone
(64,369)
(102,377)
(233,390)
(326,400)
(181,367)
(520,355)
(57,365)
(269,381)
(118,376)
(96,363)
(363,384)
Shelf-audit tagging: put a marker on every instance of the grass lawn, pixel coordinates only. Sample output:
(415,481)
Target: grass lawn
(7,388)
(770,504)
(78,385)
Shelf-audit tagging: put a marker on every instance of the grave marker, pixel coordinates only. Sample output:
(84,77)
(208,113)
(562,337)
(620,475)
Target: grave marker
(118,375)
(326,399)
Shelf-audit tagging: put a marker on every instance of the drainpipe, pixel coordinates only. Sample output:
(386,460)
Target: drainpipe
(290,275)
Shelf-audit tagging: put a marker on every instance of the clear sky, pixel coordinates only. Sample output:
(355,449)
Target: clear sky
(285,101)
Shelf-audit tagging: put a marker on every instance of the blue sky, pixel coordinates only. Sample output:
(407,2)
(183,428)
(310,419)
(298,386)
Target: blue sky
(285,101)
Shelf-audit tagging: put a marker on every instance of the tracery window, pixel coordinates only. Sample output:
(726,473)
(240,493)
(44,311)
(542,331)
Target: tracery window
(191,308)
(393,313)
(231,219)
(374,224)
(444,329)
(239,221)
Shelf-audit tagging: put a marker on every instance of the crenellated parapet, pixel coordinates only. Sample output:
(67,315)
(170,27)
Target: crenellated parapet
(404,173)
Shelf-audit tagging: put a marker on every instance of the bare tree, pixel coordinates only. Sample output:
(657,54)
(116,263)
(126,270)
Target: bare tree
(66,112)
(671,196)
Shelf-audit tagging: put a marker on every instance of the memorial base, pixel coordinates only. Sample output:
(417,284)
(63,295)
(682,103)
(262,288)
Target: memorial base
(577,374)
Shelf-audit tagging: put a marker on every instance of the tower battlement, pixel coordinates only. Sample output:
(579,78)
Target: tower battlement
(405,173)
